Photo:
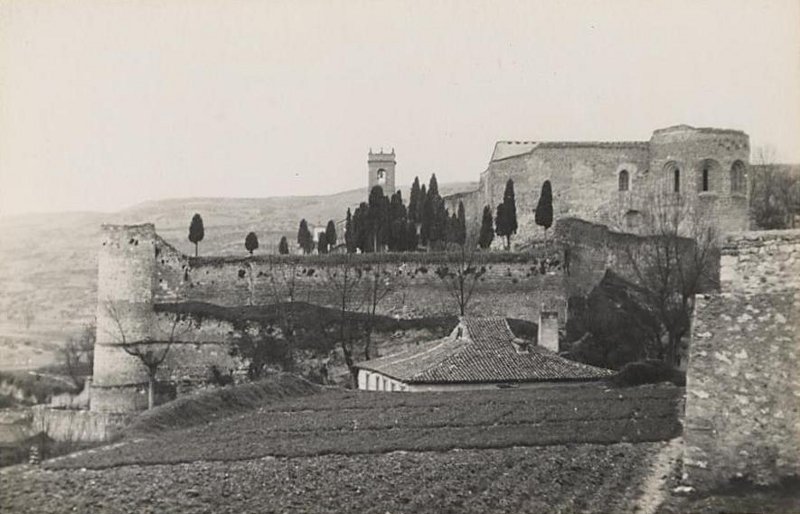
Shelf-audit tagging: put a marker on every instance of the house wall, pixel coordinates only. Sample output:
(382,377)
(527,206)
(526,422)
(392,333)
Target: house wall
(743,375)
(372,381)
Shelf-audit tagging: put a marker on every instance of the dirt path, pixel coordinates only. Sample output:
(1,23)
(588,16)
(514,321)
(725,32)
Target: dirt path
(654,488)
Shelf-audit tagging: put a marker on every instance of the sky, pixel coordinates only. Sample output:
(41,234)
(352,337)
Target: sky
(108,103)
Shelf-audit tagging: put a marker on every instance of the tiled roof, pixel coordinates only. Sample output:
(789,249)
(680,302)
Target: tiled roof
(486,353)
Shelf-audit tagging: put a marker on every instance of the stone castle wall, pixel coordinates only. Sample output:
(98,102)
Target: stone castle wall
(743,383)
(139,271)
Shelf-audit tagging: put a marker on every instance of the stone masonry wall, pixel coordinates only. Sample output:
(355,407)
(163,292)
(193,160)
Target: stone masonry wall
(743,376)
(513,289)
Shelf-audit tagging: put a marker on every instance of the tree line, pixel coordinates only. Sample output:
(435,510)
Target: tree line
(505,223)
(386,223)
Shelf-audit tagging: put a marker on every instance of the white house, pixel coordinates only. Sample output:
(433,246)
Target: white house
(480,353)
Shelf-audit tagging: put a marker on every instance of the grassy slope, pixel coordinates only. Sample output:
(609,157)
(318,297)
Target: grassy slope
(48,262)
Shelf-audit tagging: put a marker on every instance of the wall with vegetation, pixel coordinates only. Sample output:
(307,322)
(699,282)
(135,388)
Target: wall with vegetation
(743,382)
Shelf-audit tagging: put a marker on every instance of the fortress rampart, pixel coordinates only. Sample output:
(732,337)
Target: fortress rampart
(138,271)
(743,383)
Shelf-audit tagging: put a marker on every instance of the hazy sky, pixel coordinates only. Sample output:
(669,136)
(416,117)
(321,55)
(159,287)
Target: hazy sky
(106,103)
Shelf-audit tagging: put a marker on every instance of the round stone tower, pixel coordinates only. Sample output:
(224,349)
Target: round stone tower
(381,171)
(126,271)
(707,169)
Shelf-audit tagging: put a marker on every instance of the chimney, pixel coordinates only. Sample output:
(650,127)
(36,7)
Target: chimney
(548,329)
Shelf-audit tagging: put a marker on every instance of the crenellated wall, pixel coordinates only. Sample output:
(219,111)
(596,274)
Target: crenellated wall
(743,376)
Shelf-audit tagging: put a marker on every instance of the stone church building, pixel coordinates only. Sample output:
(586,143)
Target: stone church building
(619,184)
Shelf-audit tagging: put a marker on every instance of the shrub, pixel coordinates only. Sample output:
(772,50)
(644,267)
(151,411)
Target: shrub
(649,371)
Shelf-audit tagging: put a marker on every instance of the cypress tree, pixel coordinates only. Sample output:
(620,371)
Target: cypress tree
(511,211)
(544,209)
(322,244)
(412,239)
(500,222)
(251,242)
(414,202)
(453,229)
(196,231)
(378,215)
(461,235)
(441,221)
(397,223)
(506,220)
(304,237)
(350,237)
(330,234)
(433,186)
(487,230)
(361,228)
(283,246)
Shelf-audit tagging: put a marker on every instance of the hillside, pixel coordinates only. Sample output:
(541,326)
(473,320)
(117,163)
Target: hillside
(48,262)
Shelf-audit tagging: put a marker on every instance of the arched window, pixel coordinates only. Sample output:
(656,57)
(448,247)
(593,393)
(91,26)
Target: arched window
(381,176)
(672,177)
(710,176)
(624,180)
(738,178)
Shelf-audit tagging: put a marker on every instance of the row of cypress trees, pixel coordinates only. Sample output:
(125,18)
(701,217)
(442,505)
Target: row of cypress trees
(505,223)
(386,222)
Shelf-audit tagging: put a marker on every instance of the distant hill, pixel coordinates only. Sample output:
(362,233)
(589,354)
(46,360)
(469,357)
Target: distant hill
(48,262)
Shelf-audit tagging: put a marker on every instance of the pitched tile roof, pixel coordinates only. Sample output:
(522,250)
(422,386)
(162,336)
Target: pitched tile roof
(486,353)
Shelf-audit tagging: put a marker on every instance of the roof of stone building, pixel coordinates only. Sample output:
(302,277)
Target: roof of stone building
(508,149)
(485,351)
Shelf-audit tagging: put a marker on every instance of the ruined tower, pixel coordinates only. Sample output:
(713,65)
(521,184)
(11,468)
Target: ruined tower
(126,270)
(381,171)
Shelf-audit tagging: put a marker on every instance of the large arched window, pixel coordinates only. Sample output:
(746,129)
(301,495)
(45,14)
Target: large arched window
(738,178)
(381,176)
(624,180)
(672,177)
(710,175)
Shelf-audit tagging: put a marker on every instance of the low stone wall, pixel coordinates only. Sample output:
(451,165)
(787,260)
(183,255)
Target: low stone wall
(743,376)
(77,425)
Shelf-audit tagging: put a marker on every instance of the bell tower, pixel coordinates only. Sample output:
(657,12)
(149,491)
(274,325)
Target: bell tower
(381,171)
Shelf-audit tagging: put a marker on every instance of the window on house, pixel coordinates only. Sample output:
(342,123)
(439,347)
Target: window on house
(705,178)
(676,180)
(624,180)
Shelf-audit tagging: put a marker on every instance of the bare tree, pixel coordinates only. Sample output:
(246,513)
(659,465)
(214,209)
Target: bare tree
(151,351)
(344,281)
(77,355)
(283,288)
(380,284)
(461,276)
(672,264)
(774,191)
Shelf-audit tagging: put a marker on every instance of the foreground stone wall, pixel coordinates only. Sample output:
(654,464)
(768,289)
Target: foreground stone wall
(743,377)
(77,425)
